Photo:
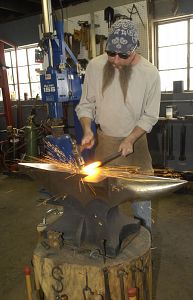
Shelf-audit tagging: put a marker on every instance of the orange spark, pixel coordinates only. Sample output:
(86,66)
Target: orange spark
(91,169)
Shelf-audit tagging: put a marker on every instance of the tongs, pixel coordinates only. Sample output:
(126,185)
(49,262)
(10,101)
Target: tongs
(110,158)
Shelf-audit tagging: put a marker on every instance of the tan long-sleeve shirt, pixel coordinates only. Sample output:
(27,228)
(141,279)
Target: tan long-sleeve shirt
(116,117)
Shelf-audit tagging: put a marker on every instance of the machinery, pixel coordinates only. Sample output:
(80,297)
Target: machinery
(60,83)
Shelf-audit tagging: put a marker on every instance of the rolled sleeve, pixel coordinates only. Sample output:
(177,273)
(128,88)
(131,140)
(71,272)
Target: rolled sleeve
(86,106)
(150,113)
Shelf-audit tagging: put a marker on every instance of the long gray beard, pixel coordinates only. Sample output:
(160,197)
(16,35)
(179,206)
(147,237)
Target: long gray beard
(124,77)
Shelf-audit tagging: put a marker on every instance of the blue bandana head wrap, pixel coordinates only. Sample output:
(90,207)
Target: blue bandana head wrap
(123,37)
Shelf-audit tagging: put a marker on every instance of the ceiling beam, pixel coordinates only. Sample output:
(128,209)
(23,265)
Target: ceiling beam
(15,6)
(35,1)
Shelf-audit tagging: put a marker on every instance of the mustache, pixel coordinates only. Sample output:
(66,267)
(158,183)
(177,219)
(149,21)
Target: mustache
(124,77)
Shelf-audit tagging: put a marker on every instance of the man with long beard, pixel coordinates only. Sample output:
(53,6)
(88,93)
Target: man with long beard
(122,94)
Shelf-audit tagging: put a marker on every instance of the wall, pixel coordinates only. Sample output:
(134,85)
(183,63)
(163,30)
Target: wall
(101,27)
(25,31)
(92,6)
(172,8)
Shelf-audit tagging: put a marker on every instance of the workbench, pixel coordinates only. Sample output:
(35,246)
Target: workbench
(170,143)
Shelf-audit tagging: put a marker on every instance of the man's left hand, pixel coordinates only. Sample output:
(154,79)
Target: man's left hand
(126,147)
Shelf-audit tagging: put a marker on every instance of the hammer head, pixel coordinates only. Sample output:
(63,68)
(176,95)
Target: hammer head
(77,154)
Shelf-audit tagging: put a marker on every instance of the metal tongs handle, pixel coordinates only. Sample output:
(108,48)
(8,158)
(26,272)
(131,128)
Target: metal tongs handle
(110,157)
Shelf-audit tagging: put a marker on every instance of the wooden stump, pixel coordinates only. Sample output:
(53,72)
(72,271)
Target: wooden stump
(64,271)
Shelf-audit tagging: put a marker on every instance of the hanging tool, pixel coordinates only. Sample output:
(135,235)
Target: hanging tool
(146,292)
(109,15)
(77,155)
(98,297)
(164,145)
(133,290)
(182,156)
(87,292)
(133,11)
(57,275)
(176,6)
(62,297)
(121,274)
(133,276)
(106,281)
(170,143)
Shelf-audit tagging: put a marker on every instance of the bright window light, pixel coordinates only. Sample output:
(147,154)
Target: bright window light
(167,78)
(29,79)
(191,55)
(172,34)
(191,31)
(22,57)
(191,79)
(174,57)
(175,53)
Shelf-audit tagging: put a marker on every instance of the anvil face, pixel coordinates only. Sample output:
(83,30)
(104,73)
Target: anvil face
(115,189)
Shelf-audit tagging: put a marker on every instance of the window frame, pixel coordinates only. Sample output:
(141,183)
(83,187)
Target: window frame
(189,43)
(14,85)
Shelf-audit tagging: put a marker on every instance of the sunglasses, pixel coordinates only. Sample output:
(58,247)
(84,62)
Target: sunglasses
(121,55)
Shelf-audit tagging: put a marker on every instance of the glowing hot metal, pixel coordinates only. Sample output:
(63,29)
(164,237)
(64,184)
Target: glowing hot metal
(129,184)
(92,168)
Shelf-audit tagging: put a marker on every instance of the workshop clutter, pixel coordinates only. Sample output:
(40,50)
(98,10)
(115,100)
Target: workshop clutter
(81,38)
(79,274)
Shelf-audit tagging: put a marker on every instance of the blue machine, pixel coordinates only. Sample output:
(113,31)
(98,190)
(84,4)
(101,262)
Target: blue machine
(64,144)
(61,82)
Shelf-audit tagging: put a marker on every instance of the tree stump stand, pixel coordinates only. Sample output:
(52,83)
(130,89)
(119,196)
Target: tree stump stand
(63,273)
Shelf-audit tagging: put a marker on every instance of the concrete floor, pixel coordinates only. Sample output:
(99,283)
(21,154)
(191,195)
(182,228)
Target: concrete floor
(20,213)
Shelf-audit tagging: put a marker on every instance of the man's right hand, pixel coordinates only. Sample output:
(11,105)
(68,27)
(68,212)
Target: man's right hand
(88,140)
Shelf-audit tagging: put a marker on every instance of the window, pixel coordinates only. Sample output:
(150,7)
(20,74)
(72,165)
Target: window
(175,53)
(29,81)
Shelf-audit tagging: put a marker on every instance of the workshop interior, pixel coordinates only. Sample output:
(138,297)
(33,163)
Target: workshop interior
(86,246)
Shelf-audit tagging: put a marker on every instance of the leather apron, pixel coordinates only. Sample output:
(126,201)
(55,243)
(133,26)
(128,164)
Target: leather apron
(107,145)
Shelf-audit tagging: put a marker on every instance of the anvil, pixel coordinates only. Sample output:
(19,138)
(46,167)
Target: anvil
(91,214)
(116,189)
